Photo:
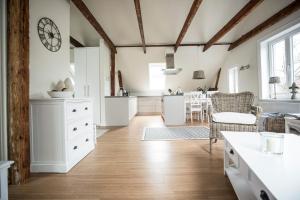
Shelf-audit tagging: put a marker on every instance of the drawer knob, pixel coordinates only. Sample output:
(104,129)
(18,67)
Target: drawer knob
(231,152)
(74,110)
(74,129)
(75,147)
(86,124)
(264,195)
(86,108)
(87,139)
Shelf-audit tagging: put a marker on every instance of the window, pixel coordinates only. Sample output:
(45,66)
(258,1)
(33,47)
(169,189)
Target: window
(280,57)
(296,58)
(233,79)
(156,76)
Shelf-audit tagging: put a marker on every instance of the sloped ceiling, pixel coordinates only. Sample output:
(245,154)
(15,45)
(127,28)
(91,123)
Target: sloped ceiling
(163,20)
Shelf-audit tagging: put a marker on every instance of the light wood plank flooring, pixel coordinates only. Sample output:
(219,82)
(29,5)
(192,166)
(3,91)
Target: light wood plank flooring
(123,167)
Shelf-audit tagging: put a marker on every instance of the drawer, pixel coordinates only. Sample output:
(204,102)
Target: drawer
(80,147)
(78,109)
(82,126)
(258,188)
(232,154)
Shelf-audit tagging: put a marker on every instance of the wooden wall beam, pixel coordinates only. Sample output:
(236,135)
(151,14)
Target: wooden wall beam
(140,22)
(170,45)
(90,17)
(112,73)
(75,42)
(294,6)
(18,89)
(234,21)
(188,21)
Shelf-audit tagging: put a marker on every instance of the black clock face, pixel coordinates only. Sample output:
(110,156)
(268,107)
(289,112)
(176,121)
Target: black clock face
(49,34)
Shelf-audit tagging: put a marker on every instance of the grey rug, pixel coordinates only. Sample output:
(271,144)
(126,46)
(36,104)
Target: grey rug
(176,133)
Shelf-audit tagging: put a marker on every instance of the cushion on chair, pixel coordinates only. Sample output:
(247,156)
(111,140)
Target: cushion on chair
(234,118)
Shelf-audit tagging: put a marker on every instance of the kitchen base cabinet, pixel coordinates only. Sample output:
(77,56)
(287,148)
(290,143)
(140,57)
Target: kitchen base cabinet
(120,110)
(173,110)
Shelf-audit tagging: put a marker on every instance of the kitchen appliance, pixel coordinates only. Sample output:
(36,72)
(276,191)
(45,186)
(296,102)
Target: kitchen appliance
(170,65)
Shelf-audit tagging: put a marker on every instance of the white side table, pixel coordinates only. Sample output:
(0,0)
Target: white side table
(4,165)
(292,125)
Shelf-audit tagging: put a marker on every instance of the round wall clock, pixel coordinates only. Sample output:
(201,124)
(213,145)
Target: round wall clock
(49,34)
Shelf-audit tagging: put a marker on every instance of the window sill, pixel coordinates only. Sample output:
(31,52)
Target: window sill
(280,100)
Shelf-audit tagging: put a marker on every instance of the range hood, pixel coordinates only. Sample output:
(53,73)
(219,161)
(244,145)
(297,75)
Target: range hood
(170,65)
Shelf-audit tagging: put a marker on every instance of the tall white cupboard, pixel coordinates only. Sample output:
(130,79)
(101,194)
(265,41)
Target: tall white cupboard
(87,77)
(92,77)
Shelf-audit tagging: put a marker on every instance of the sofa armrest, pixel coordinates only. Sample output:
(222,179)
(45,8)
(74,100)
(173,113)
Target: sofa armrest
(256,110)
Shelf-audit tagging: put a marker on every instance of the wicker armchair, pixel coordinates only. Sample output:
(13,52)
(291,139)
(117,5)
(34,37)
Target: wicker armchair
(233,103)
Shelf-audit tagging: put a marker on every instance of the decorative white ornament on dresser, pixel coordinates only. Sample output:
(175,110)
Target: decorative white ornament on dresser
(61,133)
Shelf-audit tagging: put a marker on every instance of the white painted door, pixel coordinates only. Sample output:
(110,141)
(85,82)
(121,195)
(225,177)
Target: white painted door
(80,62)
(93,80)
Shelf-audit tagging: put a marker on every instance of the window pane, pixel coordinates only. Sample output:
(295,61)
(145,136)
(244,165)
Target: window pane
(279,66)
(156,76)
(296,58)
(233,80)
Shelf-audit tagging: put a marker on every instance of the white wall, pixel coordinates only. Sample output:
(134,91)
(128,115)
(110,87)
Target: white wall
(133,64)
(46,67)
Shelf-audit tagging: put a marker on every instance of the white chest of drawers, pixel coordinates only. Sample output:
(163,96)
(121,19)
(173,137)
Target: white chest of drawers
(61,133)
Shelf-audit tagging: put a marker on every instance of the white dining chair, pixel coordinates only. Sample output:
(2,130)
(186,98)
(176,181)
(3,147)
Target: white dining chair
(206,108)
(195,106)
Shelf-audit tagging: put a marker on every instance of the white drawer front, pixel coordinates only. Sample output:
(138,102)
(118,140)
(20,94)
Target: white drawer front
(78,109)
(258,188)
(80,147)
(83,126)
(232,154)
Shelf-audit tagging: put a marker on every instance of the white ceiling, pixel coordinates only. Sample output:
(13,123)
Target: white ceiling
(163,20)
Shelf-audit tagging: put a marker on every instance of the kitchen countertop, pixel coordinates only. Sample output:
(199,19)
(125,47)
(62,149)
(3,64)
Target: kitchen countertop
(120,96)
(177,95)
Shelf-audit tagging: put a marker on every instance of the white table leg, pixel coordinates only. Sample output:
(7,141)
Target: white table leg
(226,161)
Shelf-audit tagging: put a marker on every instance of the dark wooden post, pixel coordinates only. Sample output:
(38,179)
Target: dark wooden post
(112,72)
(18,89)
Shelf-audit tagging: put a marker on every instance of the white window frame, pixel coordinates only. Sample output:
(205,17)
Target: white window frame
(163,65)
(288,54)
(264,58)
(3,91)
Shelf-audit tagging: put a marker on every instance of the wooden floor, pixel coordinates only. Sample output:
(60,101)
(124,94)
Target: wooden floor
(124,167)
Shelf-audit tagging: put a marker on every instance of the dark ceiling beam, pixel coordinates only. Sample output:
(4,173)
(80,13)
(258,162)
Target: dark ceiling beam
(140,22)
(234,21)
(170,45)
(75,42)
(90,17)
(188,21)
(294,6)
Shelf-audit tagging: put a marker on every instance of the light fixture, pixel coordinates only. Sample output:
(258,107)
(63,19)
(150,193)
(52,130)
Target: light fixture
(274,80)
(199,74)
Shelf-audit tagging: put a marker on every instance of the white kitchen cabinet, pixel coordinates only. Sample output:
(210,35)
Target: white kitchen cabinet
(120,110)
(148,105)
(87,77)
(173,109)
(61,133)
